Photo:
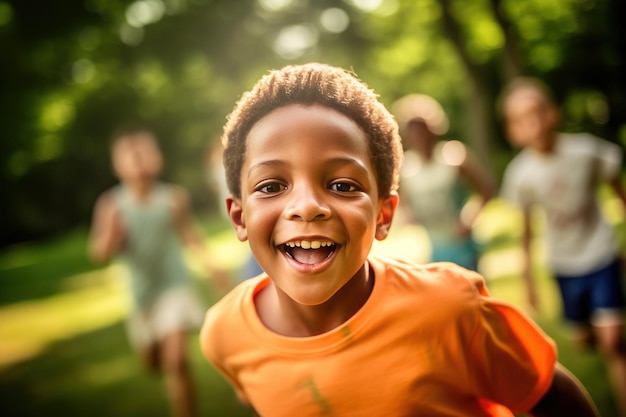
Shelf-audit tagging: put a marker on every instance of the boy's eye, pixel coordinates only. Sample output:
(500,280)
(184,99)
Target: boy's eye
(270,188)
(343,187)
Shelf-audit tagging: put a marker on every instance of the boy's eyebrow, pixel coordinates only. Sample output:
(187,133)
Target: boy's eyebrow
(263,164)
(344,160)
(340,160)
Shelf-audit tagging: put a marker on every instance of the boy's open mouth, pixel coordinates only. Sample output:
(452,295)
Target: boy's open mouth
(309,251)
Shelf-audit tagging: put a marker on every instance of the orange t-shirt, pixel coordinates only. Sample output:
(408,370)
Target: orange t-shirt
(428,341)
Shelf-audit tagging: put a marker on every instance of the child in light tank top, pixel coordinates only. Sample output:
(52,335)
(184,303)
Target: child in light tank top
(142,223)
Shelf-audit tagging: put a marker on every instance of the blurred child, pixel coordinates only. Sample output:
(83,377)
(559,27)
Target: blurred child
(562,173)
(437,178)
(143,221)
(312,164)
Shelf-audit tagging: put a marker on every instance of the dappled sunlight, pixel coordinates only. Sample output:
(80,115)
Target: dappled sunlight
(144,12)
(55,113)
(225,252)
(410,241)
(29,327)
(496,219)
(295,40)
(405,241)
(501,263)
(367,5)
(402,62)
(107,277)
(83,71)
(276,5)
(613,209)
(454,153)
(151,78)
(334,20)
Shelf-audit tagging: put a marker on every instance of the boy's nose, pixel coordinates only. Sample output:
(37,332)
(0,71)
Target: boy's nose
(307,204)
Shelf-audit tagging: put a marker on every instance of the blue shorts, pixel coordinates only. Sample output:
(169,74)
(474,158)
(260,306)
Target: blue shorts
(588,296)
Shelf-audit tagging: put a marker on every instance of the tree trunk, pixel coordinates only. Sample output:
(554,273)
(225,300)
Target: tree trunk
(512,59)
(479,115)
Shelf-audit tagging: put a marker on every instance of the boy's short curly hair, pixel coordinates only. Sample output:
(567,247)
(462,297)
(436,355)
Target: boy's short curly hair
(311,84)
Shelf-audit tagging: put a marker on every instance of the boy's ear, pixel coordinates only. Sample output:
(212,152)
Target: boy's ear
(235,214)
(385,215)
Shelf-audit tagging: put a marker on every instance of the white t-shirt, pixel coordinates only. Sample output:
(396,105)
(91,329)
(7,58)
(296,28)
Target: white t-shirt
(565,184)
(433,193)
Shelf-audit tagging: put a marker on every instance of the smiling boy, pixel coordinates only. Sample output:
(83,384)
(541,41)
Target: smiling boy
(312,161)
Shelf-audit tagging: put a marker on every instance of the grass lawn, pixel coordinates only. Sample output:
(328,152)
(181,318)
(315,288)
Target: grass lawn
(63,349)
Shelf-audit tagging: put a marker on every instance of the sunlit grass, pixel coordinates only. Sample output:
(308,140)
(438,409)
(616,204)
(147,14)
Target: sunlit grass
(63,348)
(405,241)
(75,303)
(107,372)
(88,301)
(62,339)
(28,327)
(224,251)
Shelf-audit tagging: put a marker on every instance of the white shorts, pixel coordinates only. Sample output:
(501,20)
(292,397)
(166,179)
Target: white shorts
(176,309)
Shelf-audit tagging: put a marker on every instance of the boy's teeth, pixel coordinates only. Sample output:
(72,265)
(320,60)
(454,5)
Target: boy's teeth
(306,244)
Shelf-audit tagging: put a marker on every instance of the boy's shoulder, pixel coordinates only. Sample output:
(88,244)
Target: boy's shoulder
(109,195)
(587,146)
(578,142)
(238,298)
(521,161)
(437,293)
(527,159)
(229,316)
(400,279)
(437,278)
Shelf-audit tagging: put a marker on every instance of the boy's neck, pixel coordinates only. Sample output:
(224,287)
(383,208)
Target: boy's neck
(546,146)
(284,316)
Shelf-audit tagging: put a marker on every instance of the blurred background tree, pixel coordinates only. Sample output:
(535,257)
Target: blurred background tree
(73,70)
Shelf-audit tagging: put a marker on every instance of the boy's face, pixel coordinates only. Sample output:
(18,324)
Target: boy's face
(530,119)
(136,157)
(310,205)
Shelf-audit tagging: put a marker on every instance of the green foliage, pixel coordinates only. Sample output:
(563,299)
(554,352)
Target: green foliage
(74,72)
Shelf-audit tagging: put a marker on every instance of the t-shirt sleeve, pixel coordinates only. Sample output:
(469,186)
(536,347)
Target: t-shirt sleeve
(212,340)
(512,361)
(609,156)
